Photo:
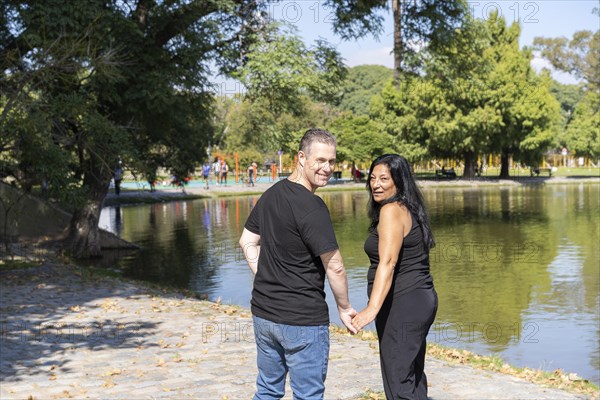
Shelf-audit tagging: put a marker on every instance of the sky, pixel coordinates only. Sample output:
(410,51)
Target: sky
(548,18)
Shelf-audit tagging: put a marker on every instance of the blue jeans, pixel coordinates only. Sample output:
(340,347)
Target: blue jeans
(301,350)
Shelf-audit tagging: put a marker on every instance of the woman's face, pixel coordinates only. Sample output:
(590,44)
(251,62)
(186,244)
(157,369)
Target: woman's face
(381,183)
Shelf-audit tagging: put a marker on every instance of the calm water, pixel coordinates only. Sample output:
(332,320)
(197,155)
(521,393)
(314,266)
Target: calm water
(517,270)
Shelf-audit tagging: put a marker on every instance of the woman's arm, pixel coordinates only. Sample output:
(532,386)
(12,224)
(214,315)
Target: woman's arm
(394,224)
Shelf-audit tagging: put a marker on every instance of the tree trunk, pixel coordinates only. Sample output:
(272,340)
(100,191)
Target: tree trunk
(398,48)
(504,164)
(83,239)
(469,171)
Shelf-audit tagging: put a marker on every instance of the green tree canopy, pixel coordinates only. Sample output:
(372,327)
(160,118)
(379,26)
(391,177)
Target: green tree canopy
(93,82)
(579,56)
(359,138)
(361,84)
(478,95)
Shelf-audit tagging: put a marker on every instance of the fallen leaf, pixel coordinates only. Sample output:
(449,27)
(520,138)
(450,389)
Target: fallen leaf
(108,383)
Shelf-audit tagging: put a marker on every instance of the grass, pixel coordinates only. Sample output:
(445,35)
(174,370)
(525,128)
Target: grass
(7,265)
(557,379)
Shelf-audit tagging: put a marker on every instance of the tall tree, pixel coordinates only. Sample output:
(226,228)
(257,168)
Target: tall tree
(362,83)
(283,78)
(97,81)
(583,132)
(417,23)
(579,56)
(479,95)
(359,138)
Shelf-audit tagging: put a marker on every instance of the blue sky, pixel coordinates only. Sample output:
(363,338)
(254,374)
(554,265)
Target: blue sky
(549,18)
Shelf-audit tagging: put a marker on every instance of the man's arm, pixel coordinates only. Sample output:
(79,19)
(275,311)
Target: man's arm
(250,244)
(336,274)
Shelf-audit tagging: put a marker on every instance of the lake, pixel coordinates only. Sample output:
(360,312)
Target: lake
(517,269)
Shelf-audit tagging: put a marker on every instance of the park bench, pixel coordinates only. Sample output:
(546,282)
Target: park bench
(448,173)
(538,171)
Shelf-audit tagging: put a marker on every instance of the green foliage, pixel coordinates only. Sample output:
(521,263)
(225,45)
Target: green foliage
(359,138)
(252,126)
(583,132)
(579,56)
(281,69)
(477,95)
(94,82)
(361,84)
(426,21)
(568,95)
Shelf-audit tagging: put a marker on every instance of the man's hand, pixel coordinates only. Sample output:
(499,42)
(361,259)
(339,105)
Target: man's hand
(346,316)
(363,318)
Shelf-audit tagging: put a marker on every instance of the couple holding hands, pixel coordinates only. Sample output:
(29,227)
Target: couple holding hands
(290,245)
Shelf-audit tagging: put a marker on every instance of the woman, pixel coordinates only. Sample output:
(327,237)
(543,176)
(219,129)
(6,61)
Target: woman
(402,300)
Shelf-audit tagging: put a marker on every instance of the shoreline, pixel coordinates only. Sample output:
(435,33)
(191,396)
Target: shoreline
(72,331)
(195,191)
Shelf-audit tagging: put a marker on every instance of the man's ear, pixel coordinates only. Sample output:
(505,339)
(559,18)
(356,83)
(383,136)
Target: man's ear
(301,158)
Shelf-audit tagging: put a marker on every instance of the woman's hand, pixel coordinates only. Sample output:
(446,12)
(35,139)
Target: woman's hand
(363,318)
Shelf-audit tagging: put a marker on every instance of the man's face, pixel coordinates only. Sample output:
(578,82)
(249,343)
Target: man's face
(318,165)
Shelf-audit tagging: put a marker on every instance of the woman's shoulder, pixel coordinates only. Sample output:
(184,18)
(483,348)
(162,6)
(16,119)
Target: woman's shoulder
(396,212)
(393,209)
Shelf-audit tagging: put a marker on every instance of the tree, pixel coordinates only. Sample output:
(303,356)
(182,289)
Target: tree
(361,84)
(530,114)
(416,23)
(280,69)
(582,136)
(478,95)
(579,56)
(568,95)
(285,82)
(95,81)
(359,138)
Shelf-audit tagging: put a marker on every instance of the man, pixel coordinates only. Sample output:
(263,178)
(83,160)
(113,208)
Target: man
(290,245)
(251,174)
(206,173)
(217,170)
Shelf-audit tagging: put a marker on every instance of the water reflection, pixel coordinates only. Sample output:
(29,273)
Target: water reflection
(516,269)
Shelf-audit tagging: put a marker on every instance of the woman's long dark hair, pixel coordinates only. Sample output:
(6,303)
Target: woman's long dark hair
(407,194)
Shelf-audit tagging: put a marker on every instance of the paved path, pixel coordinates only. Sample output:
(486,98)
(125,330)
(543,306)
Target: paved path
(67,336)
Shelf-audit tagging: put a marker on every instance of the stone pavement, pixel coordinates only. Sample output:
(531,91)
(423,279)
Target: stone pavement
(66,335)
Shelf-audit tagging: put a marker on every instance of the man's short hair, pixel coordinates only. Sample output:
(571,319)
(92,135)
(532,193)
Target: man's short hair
(315,135)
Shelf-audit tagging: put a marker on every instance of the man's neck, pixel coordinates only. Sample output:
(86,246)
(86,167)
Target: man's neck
(298,177)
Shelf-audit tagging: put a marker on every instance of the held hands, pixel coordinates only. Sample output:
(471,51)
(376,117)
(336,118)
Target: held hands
(346,316)
(363,318)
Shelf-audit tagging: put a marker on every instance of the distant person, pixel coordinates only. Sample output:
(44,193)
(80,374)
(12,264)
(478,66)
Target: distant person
(354,173)
(206,173)
(224,171)
(402,299)
(255,169)
(251,175)
(290,246)
(118,177)
(217,170)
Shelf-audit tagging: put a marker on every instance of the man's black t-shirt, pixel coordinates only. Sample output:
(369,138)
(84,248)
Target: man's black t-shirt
(295,230)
